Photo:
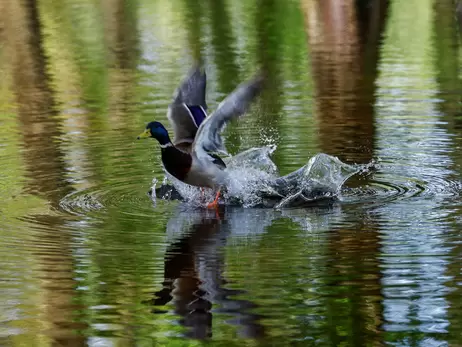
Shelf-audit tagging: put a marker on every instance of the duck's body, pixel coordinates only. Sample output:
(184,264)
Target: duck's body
(186,165)
(180,164)
(190,157)
(171,157)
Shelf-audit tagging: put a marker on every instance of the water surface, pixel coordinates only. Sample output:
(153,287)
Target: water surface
(89,259)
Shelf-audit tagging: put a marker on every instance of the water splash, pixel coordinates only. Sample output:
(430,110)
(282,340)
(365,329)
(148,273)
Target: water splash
(254,182)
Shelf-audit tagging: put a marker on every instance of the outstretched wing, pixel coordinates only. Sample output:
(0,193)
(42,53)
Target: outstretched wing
(208,138)
(185,120)
(188,108)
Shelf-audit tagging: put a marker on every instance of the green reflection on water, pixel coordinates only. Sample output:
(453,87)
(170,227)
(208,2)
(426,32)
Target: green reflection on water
(79,81)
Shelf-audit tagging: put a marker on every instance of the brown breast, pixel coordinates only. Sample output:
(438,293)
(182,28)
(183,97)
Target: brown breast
(176,162)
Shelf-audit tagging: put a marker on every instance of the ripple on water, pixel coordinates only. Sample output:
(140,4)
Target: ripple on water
(254,175)
(380,185)
(123,196)
(383,185)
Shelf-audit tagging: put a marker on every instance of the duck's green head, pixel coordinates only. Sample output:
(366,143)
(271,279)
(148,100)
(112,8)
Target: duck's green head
(157,131)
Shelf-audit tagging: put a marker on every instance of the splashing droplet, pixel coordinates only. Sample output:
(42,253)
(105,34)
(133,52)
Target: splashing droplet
(254,181)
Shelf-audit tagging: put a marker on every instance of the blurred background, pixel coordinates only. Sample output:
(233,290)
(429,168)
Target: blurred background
(88,260)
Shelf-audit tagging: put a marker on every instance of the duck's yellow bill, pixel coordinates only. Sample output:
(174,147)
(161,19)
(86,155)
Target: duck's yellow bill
(144,134)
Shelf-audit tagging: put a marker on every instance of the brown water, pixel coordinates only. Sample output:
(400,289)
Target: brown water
(87,259)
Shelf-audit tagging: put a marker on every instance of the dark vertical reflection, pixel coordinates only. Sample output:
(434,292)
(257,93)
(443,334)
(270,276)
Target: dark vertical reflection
(39,125)
(121,32)
(121,45)
(63,311)
(446,45)
(354,270)
(458,12)
(122,39)
(193,280)
(121,253)
(194,23)
(224,47)
(344,39)
(45,169)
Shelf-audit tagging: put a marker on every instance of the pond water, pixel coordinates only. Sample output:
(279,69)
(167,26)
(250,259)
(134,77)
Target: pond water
(88,259)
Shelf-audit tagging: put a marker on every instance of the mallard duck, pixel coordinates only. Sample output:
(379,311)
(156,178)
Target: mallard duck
(198,164)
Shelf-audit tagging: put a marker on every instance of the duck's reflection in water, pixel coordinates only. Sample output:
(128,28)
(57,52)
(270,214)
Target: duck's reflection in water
(193,276)
(194,265)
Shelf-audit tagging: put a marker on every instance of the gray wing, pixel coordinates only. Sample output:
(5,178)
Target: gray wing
(192,89)
(188,108)
(208,138)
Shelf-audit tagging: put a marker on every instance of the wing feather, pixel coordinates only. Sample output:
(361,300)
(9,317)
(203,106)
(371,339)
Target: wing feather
(208,137)
(191,91)
(188,108)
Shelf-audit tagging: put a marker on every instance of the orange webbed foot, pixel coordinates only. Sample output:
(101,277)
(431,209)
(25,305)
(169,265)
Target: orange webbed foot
(214,203)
